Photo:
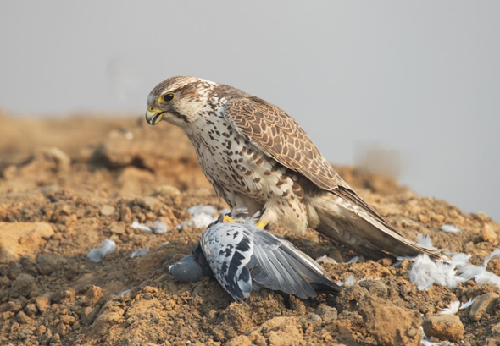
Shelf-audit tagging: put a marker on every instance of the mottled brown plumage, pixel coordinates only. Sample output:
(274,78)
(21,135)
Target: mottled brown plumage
(258,157)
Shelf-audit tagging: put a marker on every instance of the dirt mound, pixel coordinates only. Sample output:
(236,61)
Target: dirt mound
(67,185)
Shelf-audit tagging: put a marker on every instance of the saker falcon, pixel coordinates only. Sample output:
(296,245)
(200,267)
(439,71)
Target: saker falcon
(256,156)
(243,257)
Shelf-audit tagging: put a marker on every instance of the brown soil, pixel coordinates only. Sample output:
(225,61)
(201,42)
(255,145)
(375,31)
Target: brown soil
(66,185)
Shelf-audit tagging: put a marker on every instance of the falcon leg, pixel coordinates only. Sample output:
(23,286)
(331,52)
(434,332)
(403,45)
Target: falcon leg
(227,218)
(261,224)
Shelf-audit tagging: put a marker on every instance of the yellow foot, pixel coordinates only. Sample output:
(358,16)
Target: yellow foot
(261,224)
(227,218)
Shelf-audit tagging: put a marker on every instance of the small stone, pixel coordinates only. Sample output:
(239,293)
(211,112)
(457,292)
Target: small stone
(94,293)
(159,227)
(47,263)
(482,305)
(166,190)
(42,302)
(107,210)
(315,318)
(488,235)
(23,285)
(327,313)
(444,327)
(496,329)
(412,332)
(66,296)
(14,305)
(422,218)
(117,227)
(22,318)
(30,309)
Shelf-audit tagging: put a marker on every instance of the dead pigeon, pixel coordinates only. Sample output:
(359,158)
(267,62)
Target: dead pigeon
(243,257)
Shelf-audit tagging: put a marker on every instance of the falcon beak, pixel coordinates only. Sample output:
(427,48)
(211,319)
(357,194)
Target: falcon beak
(154,116)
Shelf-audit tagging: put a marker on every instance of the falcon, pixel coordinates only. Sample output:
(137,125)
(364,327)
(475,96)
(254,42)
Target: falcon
(256,156)
(243,257)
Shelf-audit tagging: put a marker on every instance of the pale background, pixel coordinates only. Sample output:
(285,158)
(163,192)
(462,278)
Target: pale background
(417,80)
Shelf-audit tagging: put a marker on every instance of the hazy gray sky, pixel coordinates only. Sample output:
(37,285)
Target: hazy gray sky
(418,77)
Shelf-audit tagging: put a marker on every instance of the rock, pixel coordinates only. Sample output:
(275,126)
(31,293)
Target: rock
(66,296)
(23,285)
(159,227)
(42,302)
(482,305)
(107,210)
(117,227)
(87,315)
(60,159)
(387,323)
(30,309)
(166,190)
(22,238)
(444,327)
(488,235)
(94,293)
(327,313)
(496,329)
(47,263)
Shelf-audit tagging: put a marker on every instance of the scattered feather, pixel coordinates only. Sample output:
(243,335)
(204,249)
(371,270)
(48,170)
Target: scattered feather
(159,227)
(326,259)
(493,255)
(125,292)
(425,241)
(350,280)
(354,259)
(426,272)
(139,253)
(464,306)
(400,260)
(97,255)
(141,226)
(452,309)
(449,228)
(201,216)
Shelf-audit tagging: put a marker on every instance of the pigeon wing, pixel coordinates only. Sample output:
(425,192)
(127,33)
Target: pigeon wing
(281,266)
(228,250)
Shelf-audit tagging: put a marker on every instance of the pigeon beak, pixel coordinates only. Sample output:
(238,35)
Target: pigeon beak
(154,116)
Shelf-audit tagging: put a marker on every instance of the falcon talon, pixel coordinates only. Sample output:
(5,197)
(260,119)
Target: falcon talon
(261,224)
(256,155)
(227,218)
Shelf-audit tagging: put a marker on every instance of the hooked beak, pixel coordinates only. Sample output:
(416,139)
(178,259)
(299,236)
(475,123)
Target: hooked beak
(154,116)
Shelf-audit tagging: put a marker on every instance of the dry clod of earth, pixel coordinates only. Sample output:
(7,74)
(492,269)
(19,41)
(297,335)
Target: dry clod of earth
(67,185)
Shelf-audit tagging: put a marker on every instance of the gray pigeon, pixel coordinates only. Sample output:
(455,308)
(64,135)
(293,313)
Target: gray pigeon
(240,256)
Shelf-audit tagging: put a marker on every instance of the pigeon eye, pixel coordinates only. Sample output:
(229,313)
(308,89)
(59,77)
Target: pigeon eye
(168,97)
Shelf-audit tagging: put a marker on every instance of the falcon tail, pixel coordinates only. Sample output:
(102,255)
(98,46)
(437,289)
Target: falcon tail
(346,218)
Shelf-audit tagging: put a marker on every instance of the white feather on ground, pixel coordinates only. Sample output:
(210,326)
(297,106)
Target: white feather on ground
(426,272)
(425,241)
(141,226)
(326,259)
(97,255)
(448,228)
(452,309)
(201,216)
(464,306)
(139,253)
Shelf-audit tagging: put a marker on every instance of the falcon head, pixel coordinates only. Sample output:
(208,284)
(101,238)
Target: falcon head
(178,100)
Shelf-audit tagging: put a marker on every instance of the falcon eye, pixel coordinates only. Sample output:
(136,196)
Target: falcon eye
(168,97)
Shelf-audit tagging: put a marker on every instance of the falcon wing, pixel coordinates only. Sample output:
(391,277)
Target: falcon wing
(279,136)
(280,266)
(228,250)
